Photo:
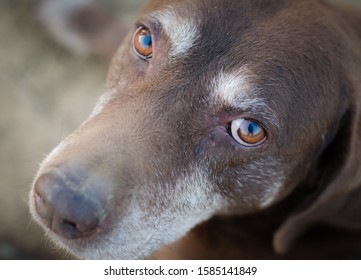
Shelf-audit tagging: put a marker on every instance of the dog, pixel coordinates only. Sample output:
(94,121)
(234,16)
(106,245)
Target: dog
(230,129)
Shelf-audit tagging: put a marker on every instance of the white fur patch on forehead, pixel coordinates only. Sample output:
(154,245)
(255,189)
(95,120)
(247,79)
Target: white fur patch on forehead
(231,88)
(181,29)
(237,89)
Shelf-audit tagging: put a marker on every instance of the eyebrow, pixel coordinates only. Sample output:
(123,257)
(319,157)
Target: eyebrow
(181,30)
(237,90)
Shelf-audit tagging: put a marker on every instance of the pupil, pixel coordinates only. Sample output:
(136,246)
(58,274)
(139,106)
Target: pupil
(146,41)
(252,128)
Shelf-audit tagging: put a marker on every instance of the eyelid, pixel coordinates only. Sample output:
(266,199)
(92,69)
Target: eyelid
(154,28)
(151,25)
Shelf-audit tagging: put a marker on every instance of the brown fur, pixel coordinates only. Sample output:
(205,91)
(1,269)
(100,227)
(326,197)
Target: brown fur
(305,57)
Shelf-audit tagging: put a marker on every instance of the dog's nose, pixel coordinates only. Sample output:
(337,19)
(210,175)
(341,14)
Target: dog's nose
(67,209)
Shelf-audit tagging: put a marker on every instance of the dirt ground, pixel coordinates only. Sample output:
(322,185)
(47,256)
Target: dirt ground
(45,93)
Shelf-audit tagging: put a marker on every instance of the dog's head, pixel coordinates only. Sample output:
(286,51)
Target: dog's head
(214,107)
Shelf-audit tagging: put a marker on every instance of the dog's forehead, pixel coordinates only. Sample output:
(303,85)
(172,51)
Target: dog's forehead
(250,53)
(185,22)
(228,34)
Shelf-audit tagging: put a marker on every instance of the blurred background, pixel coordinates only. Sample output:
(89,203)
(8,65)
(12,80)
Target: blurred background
(46,92)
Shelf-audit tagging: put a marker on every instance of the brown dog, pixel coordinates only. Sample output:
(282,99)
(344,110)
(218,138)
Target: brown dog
(229,125)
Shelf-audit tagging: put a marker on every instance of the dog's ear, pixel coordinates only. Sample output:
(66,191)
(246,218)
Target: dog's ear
(338,199)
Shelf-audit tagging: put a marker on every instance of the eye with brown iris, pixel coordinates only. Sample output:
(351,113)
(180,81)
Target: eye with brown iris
(247,132)
(142,43)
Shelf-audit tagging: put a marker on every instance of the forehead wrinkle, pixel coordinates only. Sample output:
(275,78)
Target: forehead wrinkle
(181,29)
(237,90)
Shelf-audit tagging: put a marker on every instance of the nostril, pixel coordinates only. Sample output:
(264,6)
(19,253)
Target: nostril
(39,201)
(40,205)
(72,230)
(67,210)
(70,224)
(69,229)
(41,198)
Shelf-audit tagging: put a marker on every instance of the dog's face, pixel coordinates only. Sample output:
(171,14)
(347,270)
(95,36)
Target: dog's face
(214,107)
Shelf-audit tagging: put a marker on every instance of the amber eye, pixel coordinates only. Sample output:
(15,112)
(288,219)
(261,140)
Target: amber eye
(142,43)
(247,132)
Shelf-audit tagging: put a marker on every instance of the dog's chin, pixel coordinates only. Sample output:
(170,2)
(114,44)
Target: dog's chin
(128,241)
(104,248)
(104,245)
(112,246)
